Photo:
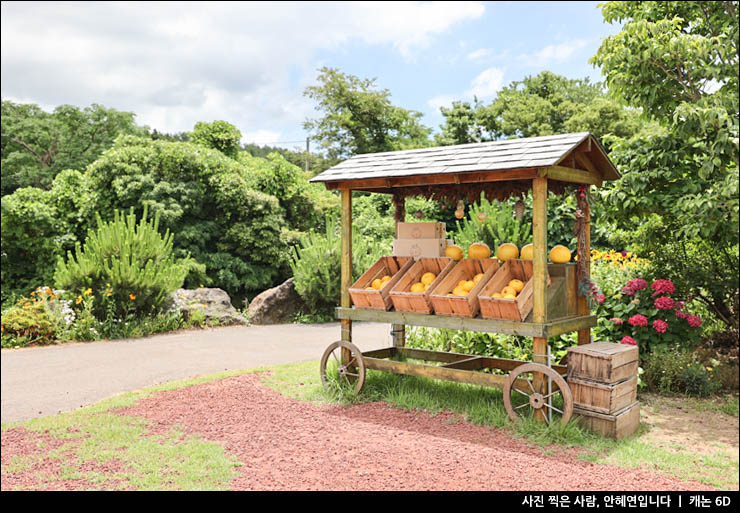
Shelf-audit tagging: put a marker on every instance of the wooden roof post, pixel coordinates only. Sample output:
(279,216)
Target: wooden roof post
(539,277)
(584,259)
(346,260)
(398,331)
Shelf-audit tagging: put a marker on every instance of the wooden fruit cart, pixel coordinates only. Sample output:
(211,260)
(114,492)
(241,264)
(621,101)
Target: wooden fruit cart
(562,164)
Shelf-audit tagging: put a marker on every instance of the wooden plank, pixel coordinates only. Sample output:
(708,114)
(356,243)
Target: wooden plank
(471,363)
(398,331)
(584,336)
(619,425)
(438,179)
(446,374)
(346,263)
(568,325)
(603,398)
(523,329)
(572,175)
(539,260)
(388,352)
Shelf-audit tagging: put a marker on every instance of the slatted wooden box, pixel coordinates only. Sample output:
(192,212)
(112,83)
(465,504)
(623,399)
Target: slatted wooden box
(393,266)
(605,362)
(617,425)
(512,309)
(601,397)
(466,269)
(420,302)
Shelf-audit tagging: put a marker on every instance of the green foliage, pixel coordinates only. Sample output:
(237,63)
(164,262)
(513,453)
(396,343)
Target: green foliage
(316,264)
(218,135)
(677,370)
(37,145)
(499,226)
(27,322)
(206,200)
(678,62)
(359,118)
(131,263)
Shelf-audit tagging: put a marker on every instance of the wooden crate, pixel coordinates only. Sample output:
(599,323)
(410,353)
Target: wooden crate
(512,309)
(420,302)
(466,269)
(605,362)
(618,425)
(372,299)
(603,398)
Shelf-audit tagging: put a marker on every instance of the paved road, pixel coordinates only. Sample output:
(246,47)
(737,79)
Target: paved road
(42,381)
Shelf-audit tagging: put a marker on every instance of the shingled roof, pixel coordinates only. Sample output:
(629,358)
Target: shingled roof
(512,154)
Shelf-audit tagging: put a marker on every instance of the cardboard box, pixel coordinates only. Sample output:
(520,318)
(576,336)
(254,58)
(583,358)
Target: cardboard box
(418,248)
(421,231)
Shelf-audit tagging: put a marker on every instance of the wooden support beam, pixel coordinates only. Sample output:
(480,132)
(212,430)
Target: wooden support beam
(539,276)
(584,335)
(438,179)
(346,265)
(569,174)
(398,331)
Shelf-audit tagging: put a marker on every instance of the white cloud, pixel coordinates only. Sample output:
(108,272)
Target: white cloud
(556,52)
(487,83)
(479,54)
(174,64)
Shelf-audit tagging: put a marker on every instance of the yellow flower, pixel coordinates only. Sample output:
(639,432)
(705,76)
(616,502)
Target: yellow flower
(709,369)
(87,292)
(132,297)
(78,300)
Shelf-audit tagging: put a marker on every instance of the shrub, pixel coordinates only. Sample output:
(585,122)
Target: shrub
(128,264)
(499,226)
(316,264)
(27,322)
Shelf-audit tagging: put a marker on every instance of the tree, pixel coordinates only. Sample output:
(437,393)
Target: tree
(36,145)
(678,62)
(219,135)
(358,118)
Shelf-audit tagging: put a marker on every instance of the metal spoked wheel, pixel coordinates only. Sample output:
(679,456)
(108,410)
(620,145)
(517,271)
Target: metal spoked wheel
(342,367)
(558,402)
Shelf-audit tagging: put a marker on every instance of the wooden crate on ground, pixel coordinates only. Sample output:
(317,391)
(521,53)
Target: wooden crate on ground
(603,398)
(466,269)
(511,309)
(363,297)
(617,425)
(420,302)
(605,362)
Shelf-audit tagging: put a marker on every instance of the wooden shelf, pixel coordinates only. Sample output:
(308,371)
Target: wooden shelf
(525,329)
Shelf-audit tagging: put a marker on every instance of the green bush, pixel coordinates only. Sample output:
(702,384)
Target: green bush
(499,226)
(677,370)
(218,135)
(124,263)
(316,264)
(28,322)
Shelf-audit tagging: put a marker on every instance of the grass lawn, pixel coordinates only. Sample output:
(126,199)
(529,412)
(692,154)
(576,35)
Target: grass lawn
(689,439)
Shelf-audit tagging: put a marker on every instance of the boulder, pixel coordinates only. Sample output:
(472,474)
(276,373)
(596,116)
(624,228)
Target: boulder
(277,305)
(215,304)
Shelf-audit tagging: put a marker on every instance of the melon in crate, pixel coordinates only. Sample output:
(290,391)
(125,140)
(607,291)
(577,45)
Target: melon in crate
(457,293)
(509,294)
(412,293)
(372,289)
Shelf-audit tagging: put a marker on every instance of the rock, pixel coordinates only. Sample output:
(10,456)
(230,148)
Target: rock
(213,302)
(277,305)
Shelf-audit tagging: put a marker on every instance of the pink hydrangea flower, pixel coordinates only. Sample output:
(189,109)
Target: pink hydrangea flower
(681,315)
(628,291)
(637,284)
(680,305)
(629,341)
(638,320)
(617,321)
(662,287)
(600,299)
(664,303)
(694,321)
(660,326)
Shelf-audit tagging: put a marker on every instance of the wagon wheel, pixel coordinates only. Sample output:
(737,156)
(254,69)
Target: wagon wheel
(537,402)
(345,374)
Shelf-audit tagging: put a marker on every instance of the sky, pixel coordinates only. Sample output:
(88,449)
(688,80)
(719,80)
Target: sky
(176,63)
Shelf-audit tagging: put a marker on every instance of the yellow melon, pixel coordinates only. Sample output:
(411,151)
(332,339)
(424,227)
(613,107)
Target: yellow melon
(559,255)
(508,291)
(496,294)
(507,251)
(479,250)
(377,284)
(385,278)
(454,251)
(517,285)
(428,278)
(459,291)
(417,287)
(527,252)
(477,277)
(468,285)
(509,296)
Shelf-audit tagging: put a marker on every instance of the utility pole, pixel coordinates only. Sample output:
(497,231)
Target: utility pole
(307,152)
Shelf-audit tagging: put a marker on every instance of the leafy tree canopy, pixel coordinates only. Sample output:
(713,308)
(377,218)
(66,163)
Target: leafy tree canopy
(359,118)
(36,145)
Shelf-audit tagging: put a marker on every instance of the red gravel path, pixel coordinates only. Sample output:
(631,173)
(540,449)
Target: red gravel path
(286,444)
